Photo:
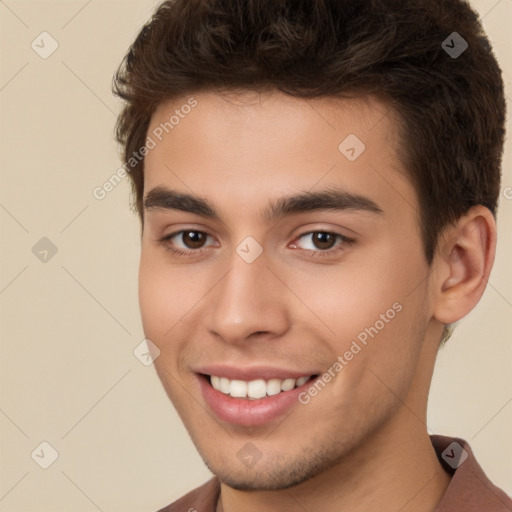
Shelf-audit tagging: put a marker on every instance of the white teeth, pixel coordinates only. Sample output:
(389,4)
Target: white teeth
(255,389)
(215,382)
(301,381)
(273,387)
(224,385)
(238,388)
(287,384)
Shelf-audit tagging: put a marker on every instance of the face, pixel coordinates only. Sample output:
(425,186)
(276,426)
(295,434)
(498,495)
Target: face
(283,279)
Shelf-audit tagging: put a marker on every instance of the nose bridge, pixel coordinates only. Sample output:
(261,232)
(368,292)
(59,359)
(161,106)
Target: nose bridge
(248,299)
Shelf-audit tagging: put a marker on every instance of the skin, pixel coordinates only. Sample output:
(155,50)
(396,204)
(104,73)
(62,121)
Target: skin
(362,442)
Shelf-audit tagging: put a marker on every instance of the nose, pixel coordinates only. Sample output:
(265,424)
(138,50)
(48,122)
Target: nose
(249,300)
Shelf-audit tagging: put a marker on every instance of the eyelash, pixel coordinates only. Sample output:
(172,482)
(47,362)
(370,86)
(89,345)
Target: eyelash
(318,253)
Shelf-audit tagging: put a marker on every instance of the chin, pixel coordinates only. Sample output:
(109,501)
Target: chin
(272,475)
(261,482)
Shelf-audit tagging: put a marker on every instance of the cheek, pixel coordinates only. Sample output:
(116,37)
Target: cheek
(168,302)
(348,299)
(152,299)
(377,374)
(162,297)
(373,316)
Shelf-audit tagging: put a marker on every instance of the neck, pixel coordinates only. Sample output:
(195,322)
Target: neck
(395,469)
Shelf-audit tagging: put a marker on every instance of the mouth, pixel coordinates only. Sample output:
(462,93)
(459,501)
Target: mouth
(256,389)
(255,402)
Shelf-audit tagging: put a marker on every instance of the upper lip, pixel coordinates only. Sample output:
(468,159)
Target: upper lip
(249,373)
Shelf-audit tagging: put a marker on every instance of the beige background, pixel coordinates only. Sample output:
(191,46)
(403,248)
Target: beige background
(69,326)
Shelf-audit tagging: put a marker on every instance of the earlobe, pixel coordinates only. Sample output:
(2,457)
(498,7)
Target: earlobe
(464,260)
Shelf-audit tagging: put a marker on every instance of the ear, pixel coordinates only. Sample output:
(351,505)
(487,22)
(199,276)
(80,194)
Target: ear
(463,263)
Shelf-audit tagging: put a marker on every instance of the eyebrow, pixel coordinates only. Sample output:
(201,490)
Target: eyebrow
(163,198)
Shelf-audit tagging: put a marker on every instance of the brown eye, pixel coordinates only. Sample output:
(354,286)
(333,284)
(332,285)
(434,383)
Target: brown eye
(186,240)
(193,239)
(320,240)
(323,243)
(323,240)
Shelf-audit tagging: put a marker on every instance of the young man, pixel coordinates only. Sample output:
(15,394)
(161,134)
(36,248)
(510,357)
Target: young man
(317,183)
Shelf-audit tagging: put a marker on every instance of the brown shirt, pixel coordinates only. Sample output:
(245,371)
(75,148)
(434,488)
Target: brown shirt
(469,490)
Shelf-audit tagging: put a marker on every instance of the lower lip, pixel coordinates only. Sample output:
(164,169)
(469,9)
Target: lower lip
(249,413)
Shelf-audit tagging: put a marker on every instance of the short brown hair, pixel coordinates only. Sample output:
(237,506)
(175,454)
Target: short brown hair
(451,107)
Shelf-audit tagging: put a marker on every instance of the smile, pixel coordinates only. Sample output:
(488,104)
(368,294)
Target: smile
(255,389)
(252,398)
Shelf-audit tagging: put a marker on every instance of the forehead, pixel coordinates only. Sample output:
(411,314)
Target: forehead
(269,111)
(247,146)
